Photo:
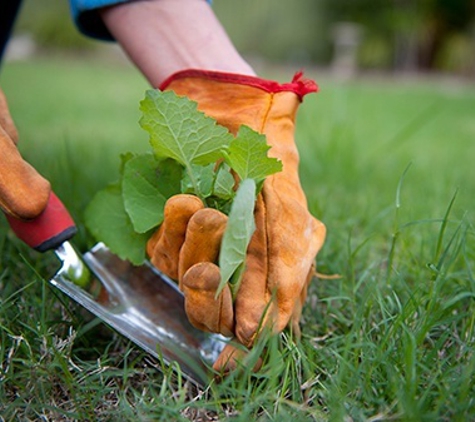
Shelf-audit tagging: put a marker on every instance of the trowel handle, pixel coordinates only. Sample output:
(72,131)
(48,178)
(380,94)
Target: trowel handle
(47,231)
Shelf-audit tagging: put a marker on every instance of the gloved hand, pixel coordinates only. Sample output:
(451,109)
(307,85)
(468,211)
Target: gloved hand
(23,192)
(281,255)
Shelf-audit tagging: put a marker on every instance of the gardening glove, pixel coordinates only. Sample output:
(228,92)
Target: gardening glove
(280,258)
(23,192)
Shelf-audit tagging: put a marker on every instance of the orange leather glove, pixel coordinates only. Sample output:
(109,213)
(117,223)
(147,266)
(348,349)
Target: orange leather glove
(23,192)
(281,256)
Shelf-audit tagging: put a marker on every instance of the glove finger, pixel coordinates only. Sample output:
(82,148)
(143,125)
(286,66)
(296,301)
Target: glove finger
(269,298)
(232,358)
(276,295)
(164,246)
(203,239)
(204,310)
(6,121)
(288,281)
(23,192)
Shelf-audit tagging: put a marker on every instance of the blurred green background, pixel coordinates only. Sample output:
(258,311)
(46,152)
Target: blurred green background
(419,35)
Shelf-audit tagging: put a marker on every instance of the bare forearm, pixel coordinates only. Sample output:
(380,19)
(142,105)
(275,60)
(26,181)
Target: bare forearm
(165,36)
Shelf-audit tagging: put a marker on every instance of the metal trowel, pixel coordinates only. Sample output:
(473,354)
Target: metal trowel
(139,302)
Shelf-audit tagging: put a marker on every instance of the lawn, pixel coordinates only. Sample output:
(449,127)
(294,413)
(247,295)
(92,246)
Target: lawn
(386,164)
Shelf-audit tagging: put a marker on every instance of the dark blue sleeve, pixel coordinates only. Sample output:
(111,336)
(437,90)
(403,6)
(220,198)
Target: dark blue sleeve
(87,19)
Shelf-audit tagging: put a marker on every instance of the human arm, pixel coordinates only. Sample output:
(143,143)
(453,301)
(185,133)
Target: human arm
(163,37)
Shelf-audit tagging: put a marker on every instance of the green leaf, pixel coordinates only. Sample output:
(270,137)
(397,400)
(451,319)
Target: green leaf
(247,156)
(222,205)
(108,221)
(124,157)
(169,174)
(238,233)
(203,178)
(179,131)
(224,184)
(146,185)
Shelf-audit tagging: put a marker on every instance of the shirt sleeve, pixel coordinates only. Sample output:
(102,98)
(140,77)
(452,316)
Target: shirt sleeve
(87,19)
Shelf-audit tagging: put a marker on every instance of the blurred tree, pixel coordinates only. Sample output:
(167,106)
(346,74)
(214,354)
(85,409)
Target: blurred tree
(443,19)
(415,34)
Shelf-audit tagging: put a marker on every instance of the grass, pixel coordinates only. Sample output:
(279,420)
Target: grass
(385,164)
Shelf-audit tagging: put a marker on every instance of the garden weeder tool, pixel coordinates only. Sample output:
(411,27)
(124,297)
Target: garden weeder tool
(137,301)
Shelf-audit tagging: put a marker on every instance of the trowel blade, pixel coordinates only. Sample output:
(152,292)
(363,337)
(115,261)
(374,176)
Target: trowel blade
(143,305)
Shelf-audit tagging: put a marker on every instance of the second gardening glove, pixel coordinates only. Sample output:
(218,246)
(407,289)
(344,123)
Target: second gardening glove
(281,255)
(23,192)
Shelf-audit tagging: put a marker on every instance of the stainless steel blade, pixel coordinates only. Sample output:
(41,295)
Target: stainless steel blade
(143,305)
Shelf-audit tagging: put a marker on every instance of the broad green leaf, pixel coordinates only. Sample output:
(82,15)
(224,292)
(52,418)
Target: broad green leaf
(239,230)
(146,185)
(202,183)
(169,175)
(108,221)
(179,131)
(224,184)
(247,156)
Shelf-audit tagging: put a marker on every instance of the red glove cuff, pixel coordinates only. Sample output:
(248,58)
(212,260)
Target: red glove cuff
(299,85)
